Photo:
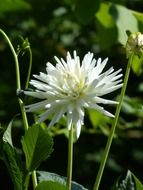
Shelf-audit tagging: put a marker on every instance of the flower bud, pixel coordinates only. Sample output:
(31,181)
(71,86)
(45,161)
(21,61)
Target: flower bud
(134,44)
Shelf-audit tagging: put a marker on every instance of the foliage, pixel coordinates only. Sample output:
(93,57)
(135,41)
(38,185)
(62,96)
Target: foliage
(12,159)
(51,186)
(129,183)
(37,146)
(47,176)
(13,5)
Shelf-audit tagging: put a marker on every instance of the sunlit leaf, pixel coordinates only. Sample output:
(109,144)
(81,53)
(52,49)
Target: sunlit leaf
(139,185)
(124,20)
(138,15)
(13,5)
(7,136)
(37,145)
(50,185)
(105,25)
(137,65)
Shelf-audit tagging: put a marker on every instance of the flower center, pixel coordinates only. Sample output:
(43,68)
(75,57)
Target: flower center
(72,86)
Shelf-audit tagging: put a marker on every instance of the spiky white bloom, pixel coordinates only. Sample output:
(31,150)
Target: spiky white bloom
(72,86)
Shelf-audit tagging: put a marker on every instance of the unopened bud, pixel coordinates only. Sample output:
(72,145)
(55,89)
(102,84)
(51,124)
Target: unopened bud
(134,44)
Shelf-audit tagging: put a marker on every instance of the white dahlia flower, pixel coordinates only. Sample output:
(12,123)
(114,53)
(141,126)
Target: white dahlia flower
(72,86)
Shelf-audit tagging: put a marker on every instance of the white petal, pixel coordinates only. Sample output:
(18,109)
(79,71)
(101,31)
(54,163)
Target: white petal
(35,94)
(108,114)
(50,67)
(100,65)
(109,90)
(36,106)
(78,128)
(99,100)
(43,77)
(56,117)
(100,109)
(69,120)
(42,117)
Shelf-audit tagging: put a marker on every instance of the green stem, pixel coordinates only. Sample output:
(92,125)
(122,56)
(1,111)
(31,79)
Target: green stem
(110,138)
(23,112)
(17,79)
(18,83)
(29,69)
(15,59)
(26,184)
(70,158)
(34,179)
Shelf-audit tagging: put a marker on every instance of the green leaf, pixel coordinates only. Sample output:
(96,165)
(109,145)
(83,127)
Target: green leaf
(86,10)
(105,25)
(37,145)
(12,159)
(47,176)
(13,5)
(139,17)
(99,120)
(126,184)
(7,137)
(137,65)
(125,20)
(139,185)
(140,88)
(50,185)
(132,106)
(12,162)
(131,182)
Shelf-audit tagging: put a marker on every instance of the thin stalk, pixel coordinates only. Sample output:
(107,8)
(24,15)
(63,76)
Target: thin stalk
(26,184)
(29,69)
(18,83)
(15,59)
(23,112)
(70,158)
(110,138)
(17,80)
(34,179)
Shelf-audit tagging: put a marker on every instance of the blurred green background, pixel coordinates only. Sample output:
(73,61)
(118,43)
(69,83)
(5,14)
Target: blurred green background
(54,27)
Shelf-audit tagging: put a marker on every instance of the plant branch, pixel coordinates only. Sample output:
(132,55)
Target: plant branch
(70,158)
(18,82)
(110,138)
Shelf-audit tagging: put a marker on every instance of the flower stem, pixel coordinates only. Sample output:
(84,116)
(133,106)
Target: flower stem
(29,69)
(70,158)
(110,138)
(15,59)
(23,112)
(34,179)
(26,184)
(18,83)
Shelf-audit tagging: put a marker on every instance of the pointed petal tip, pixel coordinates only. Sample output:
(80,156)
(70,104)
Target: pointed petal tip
(77,135)
(106,59)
